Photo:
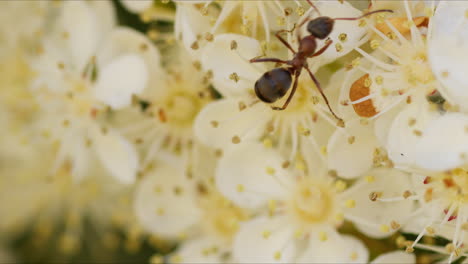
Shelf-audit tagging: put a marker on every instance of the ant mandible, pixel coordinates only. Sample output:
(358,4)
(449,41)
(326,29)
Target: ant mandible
(274,84)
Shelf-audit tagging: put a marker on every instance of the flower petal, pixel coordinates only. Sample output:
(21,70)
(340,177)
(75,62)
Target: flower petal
(219,57)
(125,41)
(200,250)
(218,122)
(447,50)
(395,257)
(137,6)
(251,245)
(244,175)
(189,24)
(116,154)
(160,208)
(444,144)
(371,215)
(336,249)
(351,151)
(120,79)
(403,135)
(83,37)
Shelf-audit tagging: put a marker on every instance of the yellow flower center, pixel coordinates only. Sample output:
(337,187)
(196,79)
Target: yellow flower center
(313,202)
(222,216)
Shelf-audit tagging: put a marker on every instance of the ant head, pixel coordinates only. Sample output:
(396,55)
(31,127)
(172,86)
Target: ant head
(273,85)
(320,27)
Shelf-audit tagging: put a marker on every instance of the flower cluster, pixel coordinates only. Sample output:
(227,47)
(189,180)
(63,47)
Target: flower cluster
(235,131)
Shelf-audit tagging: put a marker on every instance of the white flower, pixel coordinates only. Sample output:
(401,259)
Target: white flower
(442,211)
(176,205)
(395,257)
(392,86)
(447,50)
(137,6)
(171,104)
(28,29)
(302,207)
(240,116)
(41,202)
(83,70)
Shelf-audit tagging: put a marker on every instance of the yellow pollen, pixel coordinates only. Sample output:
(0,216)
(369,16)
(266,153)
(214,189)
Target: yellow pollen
(268,143)
(323,150)
(240,188)
(350,203)
(370,179)
(340,186)
(323,236)
(384,228)
(395,225)
(266,234)
(339,217)
(374,44)
(298,234)
(354,255)
(270,170)
(277,255)
(160,211)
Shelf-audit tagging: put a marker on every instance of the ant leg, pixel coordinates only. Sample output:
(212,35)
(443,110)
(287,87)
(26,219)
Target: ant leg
(293,91)
(321,92)
(366,14)
(283,40)
(314,7)
(323,49)
(369,6)
(308,18)
(267,60)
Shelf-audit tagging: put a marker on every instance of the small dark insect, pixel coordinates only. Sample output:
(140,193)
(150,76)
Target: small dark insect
(274,84)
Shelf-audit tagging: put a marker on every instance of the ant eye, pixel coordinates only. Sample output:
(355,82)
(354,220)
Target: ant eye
(320,27)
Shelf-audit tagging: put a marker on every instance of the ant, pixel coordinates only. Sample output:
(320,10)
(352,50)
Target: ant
(274,84)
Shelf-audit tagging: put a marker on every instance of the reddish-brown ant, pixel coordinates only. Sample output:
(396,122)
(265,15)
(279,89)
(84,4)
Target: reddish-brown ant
(274,84)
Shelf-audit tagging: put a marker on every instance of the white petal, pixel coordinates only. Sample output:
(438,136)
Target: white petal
(123,41)
(120,79)
(117,155)
(251,246)
(82,25)
(106,14)
(444,144)
(137,6)
(336,249)
(189,24)
(392,183)
(383,123)
(448,48)
(230,122)
(242,175)
(160,209)
(395,257)
(218,57)
(195,251)
(402,138)
(351,160)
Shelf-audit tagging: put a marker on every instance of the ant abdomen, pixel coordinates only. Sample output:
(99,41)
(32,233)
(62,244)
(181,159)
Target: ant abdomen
(273,85)
(321,27)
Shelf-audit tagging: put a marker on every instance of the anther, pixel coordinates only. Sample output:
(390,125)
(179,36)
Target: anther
(395,225)
(236,140)
(373,196)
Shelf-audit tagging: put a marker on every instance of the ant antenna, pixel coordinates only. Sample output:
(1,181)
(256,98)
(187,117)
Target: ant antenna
(366,14)
(314,7)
